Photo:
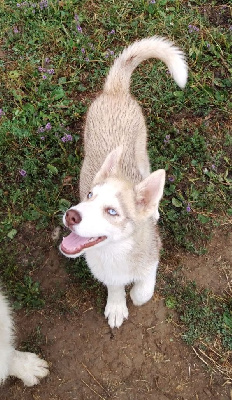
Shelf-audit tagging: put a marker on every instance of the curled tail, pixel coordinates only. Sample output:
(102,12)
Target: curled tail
(118,79)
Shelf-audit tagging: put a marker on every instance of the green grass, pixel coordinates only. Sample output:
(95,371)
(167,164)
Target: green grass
(52,65)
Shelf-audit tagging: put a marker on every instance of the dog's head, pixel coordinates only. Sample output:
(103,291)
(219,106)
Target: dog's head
(112,209)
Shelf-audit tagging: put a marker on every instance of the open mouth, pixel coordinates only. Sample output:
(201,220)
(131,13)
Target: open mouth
(74,244)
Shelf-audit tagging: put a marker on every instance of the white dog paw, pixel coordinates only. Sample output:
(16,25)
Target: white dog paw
(116,313)
(28,367)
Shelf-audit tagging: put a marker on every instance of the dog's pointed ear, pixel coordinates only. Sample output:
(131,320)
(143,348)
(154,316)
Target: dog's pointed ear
(149,193)
(110,165)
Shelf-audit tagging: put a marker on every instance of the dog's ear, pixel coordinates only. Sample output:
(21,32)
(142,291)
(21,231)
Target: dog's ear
(149,193)
(110,165)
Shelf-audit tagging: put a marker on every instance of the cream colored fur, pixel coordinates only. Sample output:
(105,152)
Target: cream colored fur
(116,170)
(26,366)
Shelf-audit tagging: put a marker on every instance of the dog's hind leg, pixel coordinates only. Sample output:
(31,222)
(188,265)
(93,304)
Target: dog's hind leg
(116,309)
(143,289)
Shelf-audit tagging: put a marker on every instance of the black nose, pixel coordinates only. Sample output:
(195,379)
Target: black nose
(72,217)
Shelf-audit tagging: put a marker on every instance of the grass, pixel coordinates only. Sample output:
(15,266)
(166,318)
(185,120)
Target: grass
(54,57)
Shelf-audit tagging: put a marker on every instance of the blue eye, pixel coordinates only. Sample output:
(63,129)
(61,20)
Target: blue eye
(111,211)
(89,195)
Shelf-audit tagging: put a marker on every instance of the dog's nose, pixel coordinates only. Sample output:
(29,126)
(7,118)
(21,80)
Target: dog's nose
(72,217)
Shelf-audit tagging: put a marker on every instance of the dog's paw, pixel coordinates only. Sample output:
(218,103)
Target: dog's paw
(116,313)
(28,367)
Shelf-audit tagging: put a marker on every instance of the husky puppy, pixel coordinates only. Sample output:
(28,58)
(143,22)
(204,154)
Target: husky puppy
(114,225)
(26,366)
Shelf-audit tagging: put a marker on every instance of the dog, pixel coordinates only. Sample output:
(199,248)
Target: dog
(26,366)
(114,225)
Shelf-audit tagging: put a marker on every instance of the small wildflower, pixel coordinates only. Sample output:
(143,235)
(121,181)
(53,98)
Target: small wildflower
(83,50)
(41,129)
(79,28)
(47,60)
(76,17)
(171,178)
(111,32)
(18,5)
(111,52)
(15,29)
(1,112)
(44,76)
(42,137)
(167,139)
(67,138)
(230,28)
(193,28)
(152,2)
(87,59)
(23,172)
(213,166)
(207,45)
(48,126)
(41,69)
(188,208)
(51,71)
(43,4)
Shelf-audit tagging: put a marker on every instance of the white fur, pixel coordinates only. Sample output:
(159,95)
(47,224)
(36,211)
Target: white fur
(116,170)
(26,366)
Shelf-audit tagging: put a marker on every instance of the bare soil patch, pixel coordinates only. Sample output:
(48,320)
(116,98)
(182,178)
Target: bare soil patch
(145,359)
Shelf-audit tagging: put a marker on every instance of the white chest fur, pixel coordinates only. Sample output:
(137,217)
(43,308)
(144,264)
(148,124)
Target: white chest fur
(112,264)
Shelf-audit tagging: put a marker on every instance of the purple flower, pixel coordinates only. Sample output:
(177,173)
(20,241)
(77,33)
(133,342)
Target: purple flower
(44,76)
(152,2)
(15,29)
(1,112)
(188,208)
(171,178)
(76,17)
(41,69)
(167,139)
(79,28)
(193,28)
(43,4)
(23,172)
(51,71)
(111,52)
(47,60)
(111,32)
(230,28)
(83,50)
(67,138)
(87,59)
(48,126)
(213,166)
(42,137)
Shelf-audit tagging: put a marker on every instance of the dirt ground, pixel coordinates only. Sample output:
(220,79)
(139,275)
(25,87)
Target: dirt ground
(144,359)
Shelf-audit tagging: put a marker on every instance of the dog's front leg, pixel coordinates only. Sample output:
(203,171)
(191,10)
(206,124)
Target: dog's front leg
(116,310)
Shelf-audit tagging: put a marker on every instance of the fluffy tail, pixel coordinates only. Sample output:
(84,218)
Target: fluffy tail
(118,79)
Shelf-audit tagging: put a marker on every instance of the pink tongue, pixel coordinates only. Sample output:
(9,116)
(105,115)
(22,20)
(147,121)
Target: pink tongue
(72,242)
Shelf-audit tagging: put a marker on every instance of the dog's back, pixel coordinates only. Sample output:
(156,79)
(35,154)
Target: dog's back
(116,119)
